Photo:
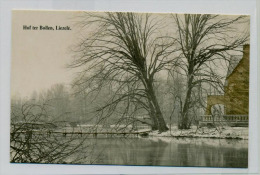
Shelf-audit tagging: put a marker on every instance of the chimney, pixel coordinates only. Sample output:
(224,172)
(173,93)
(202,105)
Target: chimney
(246,49)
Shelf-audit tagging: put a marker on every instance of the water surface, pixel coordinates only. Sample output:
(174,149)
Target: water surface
(169,152)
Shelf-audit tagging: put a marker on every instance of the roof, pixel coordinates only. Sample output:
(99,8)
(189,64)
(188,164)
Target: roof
(234,61)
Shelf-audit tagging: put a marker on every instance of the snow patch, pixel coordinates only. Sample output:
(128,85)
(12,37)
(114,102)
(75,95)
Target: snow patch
(204,132)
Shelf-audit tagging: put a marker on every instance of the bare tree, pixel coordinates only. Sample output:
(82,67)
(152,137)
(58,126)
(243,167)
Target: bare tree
(125,51)
(206,43)
(33,141)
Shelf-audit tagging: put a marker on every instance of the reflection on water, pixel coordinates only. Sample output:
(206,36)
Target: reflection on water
(170,152)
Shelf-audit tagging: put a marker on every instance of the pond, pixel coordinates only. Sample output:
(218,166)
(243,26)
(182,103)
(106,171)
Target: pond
(156,151)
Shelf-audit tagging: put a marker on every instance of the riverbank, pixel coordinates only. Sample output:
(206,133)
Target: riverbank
(205,132)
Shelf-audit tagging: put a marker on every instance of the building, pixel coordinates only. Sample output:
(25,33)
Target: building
(236,93)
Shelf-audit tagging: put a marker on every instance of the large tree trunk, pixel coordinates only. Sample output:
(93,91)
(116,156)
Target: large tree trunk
(155,108)
(185,121)
(155,125)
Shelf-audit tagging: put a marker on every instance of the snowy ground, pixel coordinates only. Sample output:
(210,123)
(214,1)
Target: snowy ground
(204,132)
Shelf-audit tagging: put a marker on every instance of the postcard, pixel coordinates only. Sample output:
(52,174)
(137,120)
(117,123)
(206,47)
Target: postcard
(127,88)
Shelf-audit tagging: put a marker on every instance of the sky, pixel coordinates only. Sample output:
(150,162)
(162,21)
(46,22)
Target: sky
(39,57)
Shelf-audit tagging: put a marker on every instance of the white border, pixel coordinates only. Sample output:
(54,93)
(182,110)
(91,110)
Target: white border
(175,6)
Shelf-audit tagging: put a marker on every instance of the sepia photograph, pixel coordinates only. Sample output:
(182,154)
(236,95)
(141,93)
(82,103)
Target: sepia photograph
(128,88)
